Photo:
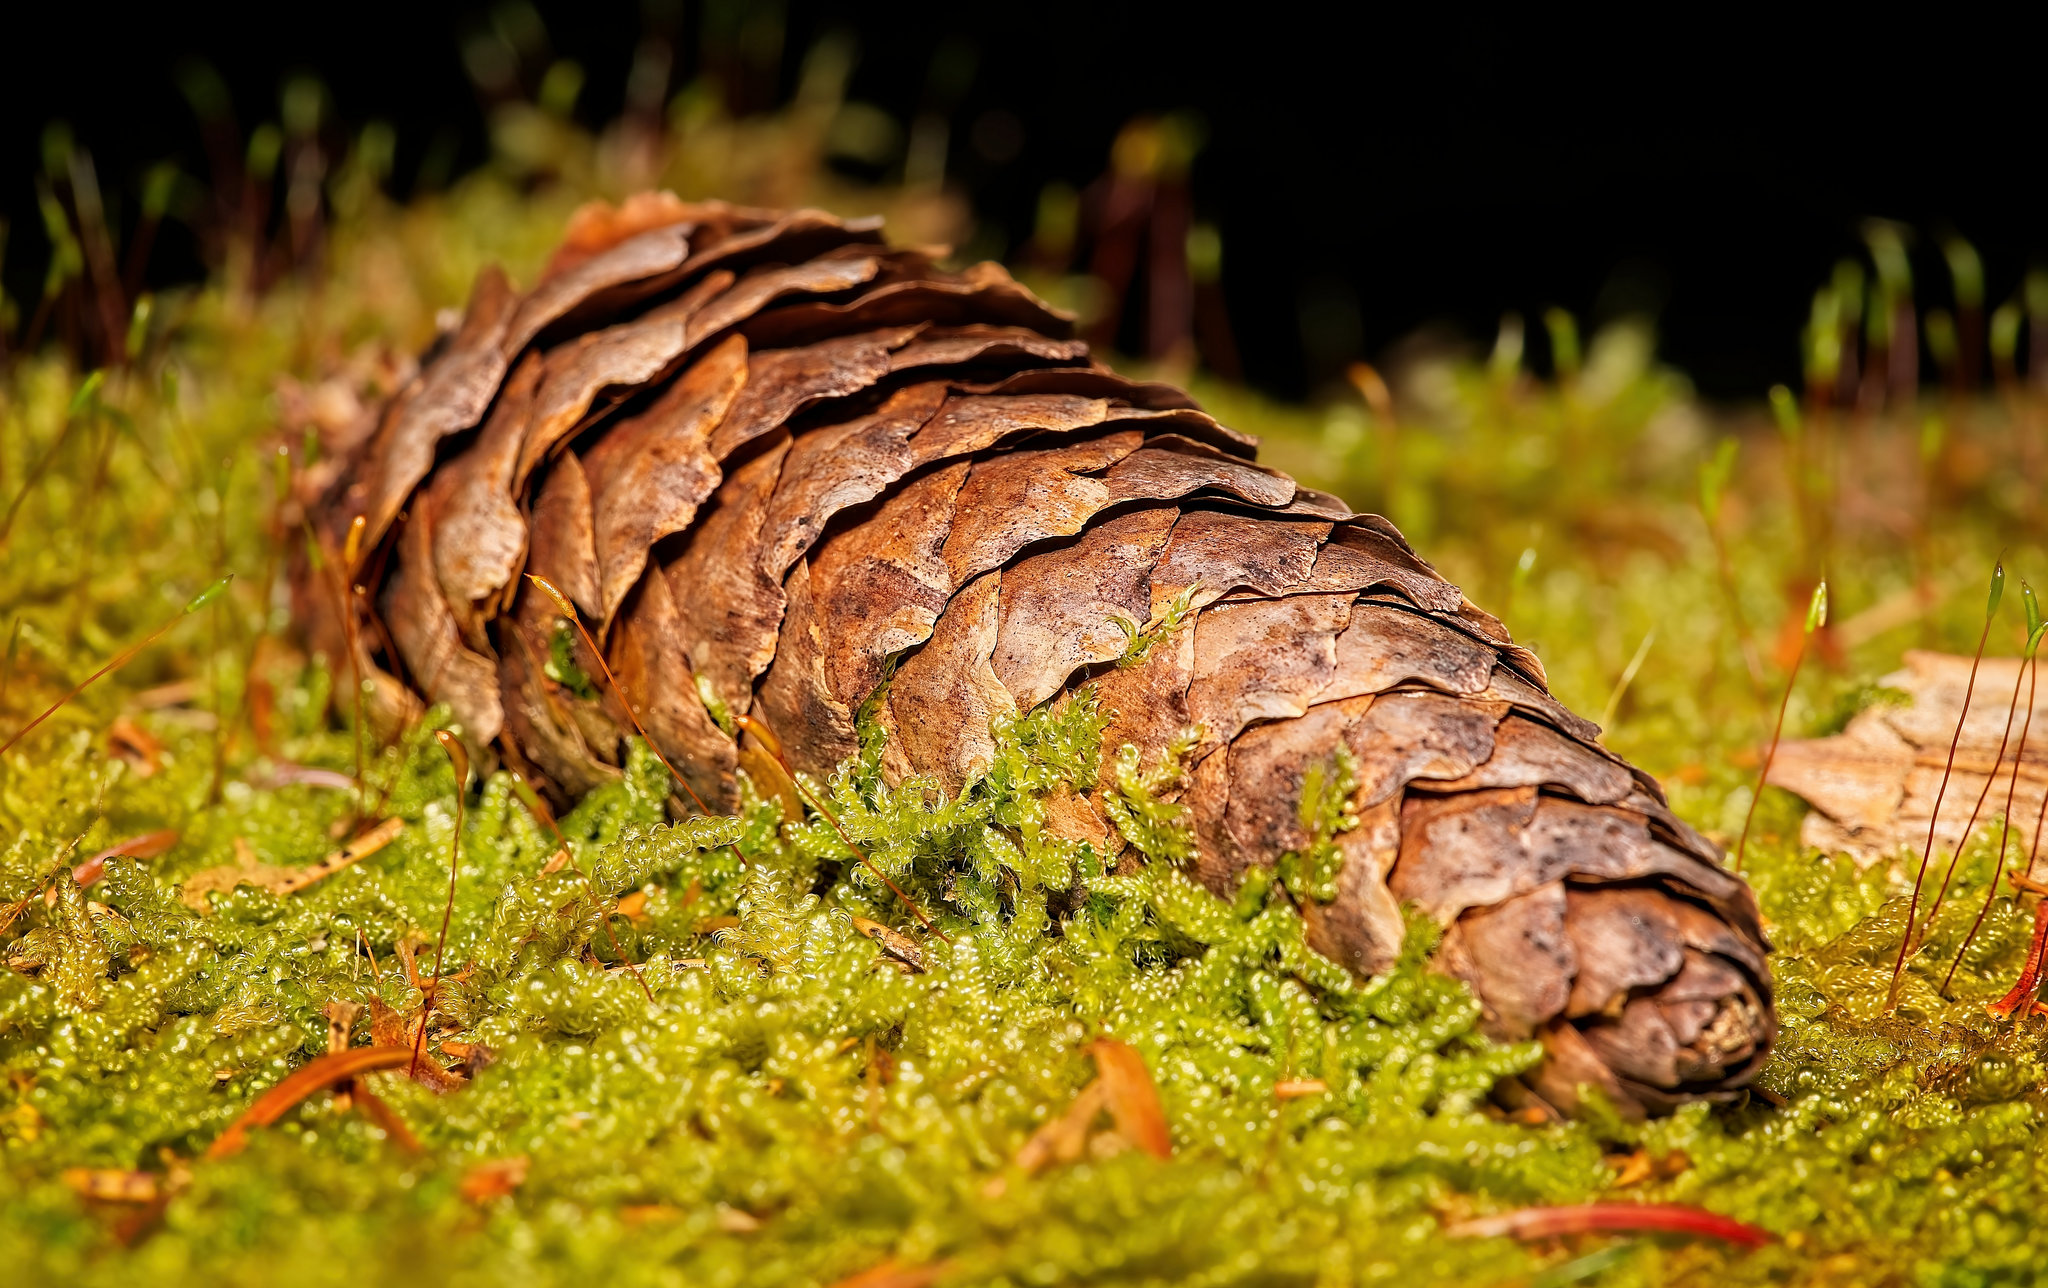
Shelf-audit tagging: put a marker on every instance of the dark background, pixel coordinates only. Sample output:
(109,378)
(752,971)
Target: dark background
(1373,172)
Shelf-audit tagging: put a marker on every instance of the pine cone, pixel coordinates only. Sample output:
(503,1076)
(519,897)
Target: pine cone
(765,452)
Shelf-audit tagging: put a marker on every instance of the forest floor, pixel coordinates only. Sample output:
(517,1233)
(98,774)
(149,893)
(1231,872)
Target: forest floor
(766,1098)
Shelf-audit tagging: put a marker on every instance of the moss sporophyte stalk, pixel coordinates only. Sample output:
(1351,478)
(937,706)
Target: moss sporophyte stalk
(803,1099)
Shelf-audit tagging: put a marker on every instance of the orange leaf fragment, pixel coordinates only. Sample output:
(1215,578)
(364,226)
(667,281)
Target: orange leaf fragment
(136,745)
(1300,1088)
(894,1274)
(113,1184)
(321,1071)
(495,1179)
(1063,1139)
(1133,1099)
(377,1111)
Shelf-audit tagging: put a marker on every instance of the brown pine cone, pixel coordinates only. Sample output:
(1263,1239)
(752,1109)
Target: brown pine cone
(765,451)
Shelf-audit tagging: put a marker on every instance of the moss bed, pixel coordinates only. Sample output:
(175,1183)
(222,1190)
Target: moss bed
(793,1108)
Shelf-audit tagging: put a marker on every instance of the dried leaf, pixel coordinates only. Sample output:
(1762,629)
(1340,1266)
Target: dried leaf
(248,870)
(114,1185)
(495,1179)
(1132,1099)
(1618,1218)
(1873,785)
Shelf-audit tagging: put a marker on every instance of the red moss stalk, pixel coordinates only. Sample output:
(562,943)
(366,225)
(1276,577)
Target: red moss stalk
(1947,769)
(2036,627)
(1976,810)
(1619,1218)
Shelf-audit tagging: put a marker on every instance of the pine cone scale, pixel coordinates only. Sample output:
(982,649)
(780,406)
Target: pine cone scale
(1061,608)
(652,472)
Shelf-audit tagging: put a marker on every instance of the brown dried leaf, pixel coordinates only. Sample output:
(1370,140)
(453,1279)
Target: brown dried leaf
(1132,1099)
(1873,785)
(116,1185)
(321,1071)
(894,944)
(248,870)
(495,1179)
